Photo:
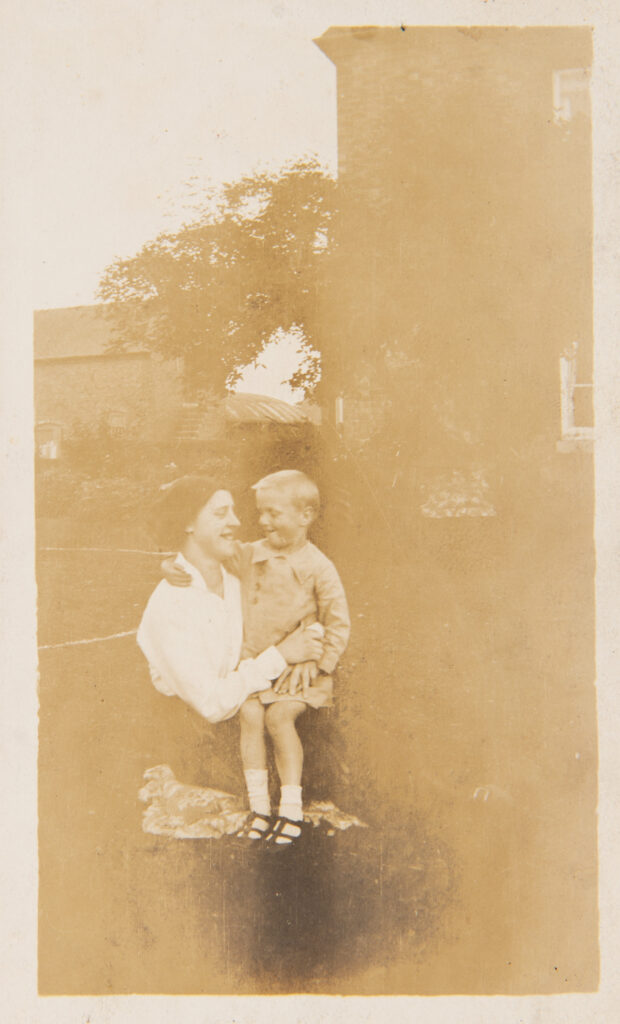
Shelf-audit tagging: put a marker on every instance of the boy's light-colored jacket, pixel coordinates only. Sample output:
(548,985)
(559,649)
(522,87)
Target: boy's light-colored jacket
(281,590)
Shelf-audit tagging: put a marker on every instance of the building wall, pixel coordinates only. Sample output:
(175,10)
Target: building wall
(135,392)
(465,228)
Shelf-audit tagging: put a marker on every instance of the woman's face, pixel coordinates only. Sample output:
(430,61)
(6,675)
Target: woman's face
(215,526)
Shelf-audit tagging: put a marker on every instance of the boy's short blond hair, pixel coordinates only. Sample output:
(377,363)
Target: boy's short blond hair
(302,490)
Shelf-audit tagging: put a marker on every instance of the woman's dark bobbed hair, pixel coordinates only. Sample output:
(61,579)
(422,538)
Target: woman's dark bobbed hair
(178,505)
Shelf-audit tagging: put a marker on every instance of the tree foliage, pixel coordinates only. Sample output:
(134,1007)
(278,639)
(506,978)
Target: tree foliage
(215,291)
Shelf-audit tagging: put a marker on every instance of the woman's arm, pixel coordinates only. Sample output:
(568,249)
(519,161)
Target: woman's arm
(185,649)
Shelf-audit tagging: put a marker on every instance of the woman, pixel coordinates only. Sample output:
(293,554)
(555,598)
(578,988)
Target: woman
(191,636)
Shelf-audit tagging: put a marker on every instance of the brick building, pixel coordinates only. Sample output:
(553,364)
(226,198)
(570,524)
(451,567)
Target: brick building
(81,383)
(463,275)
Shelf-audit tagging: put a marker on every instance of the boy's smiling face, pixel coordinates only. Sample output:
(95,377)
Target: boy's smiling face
(283,521)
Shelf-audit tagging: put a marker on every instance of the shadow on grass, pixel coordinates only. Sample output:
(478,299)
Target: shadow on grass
(316,917)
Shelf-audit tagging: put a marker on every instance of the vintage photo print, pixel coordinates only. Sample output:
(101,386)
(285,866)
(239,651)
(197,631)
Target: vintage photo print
(317,333)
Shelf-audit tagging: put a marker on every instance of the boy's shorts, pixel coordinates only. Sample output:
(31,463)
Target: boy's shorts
(319,695)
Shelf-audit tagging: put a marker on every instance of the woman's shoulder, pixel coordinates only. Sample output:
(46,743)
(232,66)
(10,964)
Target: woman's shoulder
(168,602)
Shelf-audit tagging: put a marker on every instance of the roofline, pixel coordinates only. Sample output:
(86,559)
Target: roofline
(111,354)
(66,309)
(329,42)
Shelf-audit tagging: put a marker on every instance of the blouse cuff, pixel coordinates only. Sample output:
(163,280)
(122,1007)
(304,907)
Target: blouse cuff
(270,663)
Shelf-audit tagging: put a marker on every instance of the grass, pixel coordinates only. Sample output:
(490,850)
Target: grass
(466,692)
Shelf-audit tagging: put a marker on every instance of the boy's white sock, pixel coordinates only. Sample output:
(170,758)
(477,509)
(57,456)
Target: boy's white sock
(290,803)
(257,783)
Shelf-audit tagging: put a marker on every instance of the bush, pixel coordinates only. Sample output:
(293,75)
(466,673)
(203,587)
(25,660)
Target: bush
(115,498)
(57,492)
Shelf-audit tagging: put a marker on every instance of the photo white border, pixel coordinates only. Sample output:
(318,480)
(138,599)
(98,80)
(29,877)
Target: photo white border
(18,873)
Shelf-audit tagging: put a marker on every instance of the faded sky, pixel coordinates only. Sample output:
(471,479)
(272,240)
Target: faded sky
(136,106)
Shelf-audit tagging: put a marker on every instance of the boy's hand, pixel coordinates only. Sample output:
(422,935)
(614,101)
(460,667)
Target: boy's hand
(174,574)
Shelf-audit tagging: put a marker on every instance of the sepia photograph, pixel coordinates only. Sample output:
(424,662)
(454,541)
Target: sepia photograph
(313,431)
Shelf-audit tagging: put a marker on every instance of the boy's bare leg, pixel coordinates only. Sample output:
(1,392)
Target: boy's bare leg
(280,719)
(254,755)
(252,735)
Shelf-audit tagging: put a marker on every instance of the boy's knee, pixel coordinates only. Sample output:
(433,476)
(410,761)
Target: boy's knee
(282,716)
(252,713)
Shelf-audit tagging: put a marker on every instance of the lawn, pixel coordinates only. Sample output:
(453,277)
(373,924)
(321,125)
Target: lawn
(464,735)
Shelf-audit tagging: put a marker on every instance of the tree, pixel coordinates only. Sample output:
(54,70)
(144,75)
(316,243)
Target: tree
(215,292)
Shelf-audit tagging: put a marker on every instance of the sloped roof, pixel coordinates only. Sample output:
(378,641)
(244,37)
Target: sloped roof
(246,408)
(70,332)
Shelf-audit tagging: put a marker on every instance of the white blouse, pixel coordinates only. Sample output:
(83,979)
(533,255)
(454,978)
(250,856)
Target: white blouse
(192,640)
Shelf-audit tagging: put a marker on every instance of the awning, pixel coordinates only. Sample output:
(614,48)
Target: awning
(245,408)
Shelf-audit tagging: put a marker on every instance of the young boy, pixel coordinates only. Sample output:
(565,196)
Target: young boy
(285,581)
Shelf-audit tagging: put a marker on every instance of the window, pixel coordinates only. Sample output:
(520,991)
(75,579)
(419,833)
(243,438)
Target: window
(571,94)
(339,411)
(576,404)
(117,422)
(48,438)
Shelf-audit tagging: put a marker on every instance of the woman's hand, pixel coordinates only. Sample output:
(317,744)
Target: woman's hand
(301,645)
(174,574)
(296,678)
